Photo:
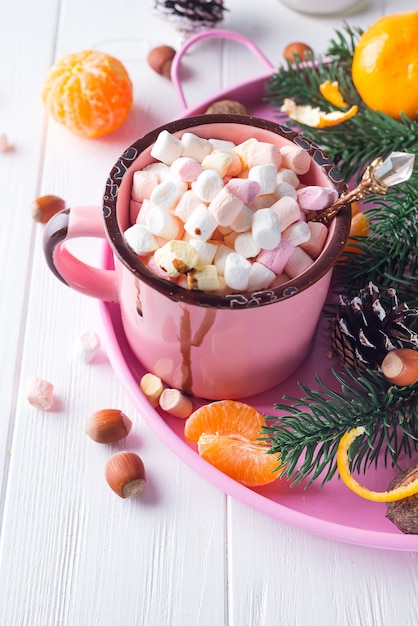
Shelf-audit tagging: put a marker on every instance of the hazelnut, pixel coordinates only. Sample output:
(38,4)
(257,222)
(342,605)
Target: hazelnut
(297,51)
(125,474)
(108,426)
(227,106)
(160,60)
(400,366)
(45,207)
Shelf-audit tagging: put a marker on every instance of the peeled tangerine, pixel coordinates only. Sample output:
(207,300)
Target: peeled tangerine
(227,433)
(89,92)
(399,491)
(313,116)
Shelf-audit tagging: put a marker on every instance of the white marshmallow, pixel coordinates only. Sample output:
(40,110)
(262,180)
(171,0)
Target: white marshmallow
(205,250)
(140,239)
(287,210)
(237,272)
(201,223)
(242,150)
(167,194)
(207,185)
(286,189)
(221,255)
(242,222)
(262,152)
(265,175)
(87,346)
(297,233)
(285,175)
(162,223)
(295,158)
(266,229)
(195,147)
(222,144)
(260,277)
(161,170)
(167,148)
(186,205)
(176,257)
(246,246)
(203,278)
(145,208)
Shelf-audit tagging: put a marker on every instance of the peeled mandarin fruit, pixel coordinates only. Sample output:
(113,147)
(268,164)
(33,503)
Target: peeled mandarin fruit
(89,92)
(227,433)
(398,493)
(385,65)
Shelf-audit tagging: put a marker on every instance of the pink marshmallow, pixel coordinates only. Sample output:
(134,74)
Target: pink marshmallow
(277,258)
(298,263)
(134,209)
(225,207)
(315,198)
(186,169)
(315,245)
(245,189)
(143,183)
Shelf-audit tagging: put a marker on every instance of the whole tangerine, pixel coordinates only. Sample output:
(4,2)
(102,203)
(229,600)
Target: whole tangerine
(89,92)
(385,65)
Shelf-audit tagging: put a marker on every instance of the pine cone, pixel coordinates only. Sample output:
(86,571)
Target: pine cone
(190,16)
(364,330)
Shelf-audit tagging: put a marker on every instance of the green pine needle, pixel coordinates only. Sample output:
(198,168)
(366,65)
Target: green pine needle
(306,436)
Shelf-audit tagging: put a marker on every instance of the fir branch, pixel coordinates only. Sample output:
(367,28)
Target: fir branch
(306,437)
(343,45)
(388,255)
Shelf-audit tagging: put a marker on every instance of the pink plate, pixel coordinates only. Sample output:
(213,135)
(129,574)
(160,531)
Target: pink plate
(333,511)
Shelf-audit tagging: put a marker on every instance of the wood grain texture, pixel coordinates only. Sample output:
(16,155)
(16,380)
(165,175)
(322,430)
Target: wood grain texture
(183,554)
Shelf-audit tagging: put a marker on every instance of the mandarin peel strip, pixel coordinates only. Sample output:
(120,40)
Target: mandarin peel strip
(344,470)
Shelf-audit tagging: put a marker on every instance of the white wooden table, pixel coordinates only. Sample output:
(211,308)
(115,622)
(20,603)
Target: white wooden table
(72,553)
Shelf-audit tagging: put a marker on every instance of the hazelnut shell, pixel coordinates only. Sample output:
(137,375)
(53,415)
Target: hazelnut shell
(160,60)
(404,513)
(125,474)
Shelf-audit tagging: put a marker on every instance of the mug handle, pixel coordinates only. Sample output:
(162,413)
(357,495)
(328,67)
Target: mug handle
(75,223)
(214,33)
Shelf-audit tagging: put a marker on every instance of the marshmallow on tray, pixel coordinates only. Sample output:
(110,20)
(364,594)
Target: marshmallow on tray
(221,217)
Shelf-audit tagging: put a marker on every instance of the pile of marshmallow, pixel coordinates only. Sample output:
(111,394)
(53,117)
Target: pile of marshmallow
(216,216)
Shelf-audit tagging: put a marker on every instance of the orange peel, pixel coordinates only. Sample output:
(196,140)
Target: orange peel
(331,92)
(399,493)
(313,116)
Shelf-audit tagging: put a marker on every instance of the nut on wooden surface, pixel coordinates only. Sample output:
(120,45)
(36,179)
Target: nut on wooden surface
(44,207)
(125,474)
(160,60)
(108,426)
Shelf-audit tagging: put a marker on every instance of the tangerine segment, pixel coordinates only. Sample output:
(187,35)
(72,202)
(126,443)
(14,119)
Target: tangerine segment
(224,417)
(398,493)
(385,65)
(237,457)
(89,92)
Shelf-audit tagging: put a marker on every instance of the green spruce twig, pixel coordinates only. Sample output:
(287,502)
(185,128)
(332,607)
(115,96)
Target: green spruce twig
(306,435)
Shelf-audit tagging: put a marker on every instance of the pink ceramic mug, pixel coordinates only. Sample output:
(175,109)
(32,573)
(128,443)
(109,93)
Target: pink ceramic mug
(209,345)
